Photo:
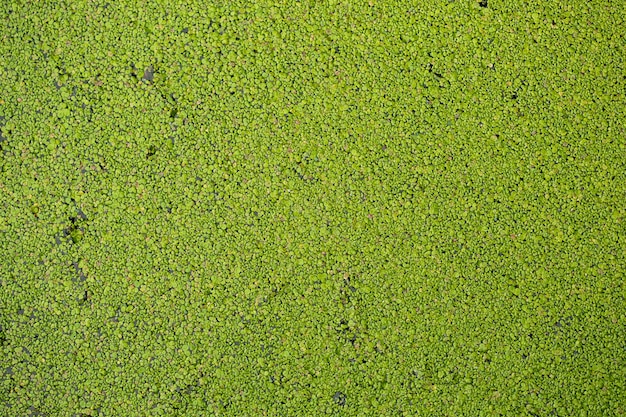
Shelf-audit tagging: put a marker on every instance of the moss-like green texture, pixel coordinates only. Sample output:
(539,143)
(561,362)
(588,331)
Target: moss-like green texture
(305,208)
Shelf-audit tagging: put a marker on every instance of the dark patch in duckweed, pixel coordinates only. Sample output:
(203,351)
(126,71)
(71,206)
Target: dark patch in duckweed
(339,398)
(148,74)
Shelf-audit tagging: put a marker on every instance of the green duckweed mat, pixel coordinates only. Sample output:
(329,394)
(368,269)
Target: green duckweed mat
(309,208)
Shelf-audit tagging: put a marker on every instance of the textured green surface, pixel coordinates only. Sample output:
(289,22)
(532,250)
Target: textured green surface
(301,209)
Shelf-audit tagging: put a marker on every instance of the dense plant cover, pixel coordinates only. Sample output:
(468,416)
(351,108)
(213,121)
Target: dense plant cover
(303,208)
